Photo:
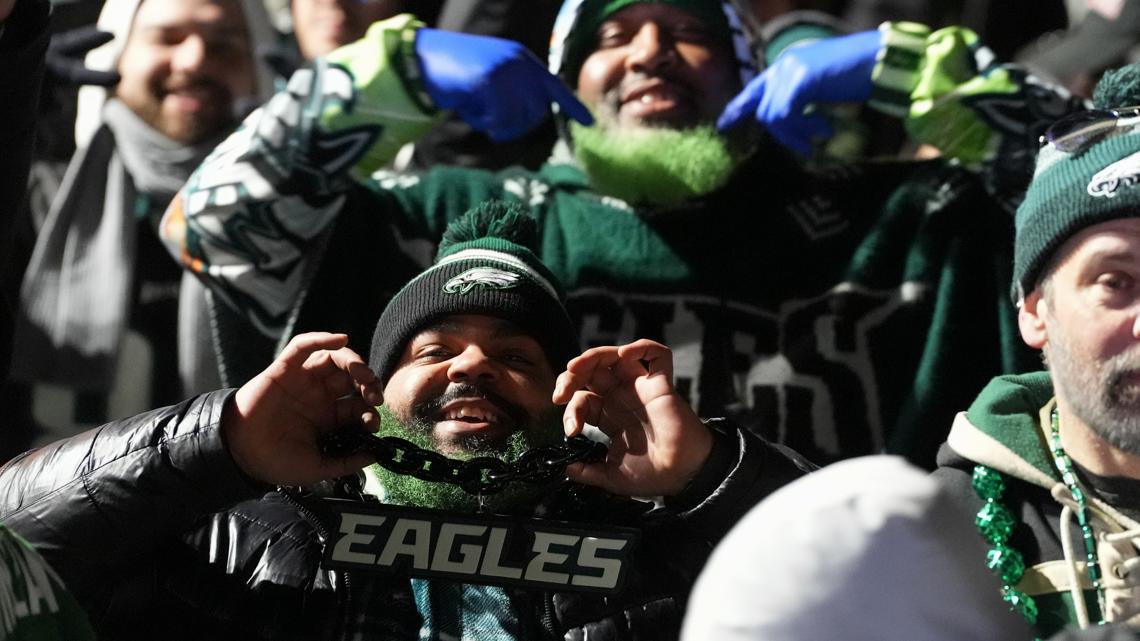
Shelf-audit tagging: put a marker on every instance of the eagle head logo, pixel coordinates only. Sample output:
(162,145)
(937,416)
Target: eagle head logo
(485,277)
(1122,173)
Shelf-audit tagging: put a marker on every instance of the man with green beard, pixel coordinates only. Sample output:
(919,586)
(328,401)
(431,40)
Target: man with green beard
(1050,461)
(843,310)
(475,357)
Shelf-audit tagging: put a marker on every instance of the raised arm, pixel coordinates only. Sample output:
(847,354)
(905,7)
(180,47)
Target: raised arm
(949,89)
(248,219)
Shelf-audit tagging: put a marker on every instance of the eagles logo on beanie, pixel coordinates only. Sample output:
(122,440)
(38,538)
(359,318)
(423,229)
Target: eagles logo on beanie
(485,265)
(1072,190)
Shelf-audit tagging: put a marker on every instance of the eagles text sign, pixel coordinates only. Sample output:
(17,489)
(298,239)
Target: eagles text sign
(494,550)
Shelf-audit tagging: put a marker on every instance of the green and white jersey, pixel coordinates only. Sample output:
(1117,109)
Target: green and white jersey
(34,604)
(842,311)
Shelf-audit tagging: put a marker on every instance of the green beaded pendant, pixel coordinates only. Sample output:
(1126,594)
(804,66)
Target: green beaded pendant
(995,522)
(1022,602)
(1007,562)
(988,483)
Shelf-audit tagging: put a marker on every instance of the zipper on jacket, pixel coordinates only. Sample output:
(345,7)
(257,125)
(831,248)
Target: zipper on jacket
(323,532)
(548,615)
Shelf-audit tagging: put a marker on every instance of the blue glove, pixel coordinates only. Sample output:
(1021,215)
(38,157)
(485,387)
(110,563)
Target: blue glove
(832,70)
(497,86)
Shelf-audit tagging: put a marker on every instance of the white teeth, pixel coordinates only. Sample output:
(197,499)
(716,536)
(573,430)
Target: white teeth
(466,412)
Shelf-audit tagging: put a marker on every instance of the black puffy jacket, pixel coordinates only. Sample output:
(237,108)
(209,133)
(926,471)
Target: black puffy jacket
(160,536)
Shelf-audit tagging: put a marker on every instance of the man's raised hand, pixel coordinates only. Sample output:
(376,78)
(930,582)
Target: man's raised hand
(273,422)
(497,86)
(657,442)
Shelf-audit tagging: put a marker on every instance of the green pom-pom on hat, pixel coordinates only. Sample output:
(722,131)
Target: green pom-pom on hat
(486,266)
(1118,88)
(492,218)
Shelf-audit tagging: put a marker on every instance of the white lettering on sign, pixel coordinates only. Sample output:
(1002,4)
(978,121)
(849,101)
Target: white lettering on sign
(610,567)
(499,551)
(491,564)
(26,585)
(418,549)
(469,552)
(342,551)
(542,541)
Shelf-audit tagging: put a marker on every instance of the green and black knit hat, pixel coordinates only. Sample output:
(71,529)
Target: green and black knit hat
(1072,190)
(576,28)
(485,265)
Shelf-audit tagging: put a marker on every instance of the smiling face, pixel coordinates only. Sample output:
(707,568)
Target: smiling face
(656,65)
(1086,317)
(472,381)
(184,64)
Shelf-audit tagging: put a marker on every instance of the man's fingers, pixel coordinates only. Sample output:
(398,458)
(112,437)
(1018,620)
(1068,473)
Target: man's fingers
(646,357)
(343,371)
(600,369)
(333,468)
(743,106)
(584,407)
(566,100)
(352,410)
(587,473)
(362,377)
(303,345)
(597,379)
(799,132)
(336,382)
(580,371)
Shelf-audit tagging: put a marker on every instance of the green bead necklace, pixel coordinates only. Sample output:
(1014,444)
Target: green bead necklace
(1065,467)
(995,522)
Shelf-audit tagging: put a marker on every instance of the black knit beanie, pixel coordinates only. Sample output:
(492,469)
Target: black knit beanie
(485,265)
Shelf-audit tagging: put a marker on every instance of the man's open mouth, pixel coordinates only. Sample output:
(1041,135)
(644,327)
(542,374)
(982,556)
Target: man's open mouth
(471,415)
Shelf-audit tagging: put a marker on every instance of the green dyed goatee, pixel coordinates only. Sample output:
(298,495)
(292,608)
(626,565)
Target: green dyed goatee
(403,489)
(654,166)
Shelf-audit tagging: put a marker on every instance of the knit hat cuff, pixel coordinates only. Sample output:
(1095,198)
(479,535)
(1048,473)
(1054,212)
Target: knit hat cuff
(1071,191)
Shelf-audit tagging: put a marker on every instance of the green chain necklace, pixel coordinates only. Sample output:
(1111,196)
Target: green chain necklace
(1065,467)
(995,522)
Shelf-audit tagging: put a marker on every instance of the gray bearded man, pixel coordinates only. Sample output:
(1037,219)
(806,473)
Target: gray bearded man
(475,356)
(1050,462)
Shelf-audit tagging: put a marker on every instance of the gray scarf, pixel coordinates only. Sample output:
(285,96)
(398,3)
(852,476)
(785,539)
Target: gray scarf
(76,291)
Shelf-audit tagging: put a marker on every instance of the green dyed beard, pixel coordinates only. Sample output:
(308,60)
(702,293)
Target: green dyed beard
(656,166)
(402,489)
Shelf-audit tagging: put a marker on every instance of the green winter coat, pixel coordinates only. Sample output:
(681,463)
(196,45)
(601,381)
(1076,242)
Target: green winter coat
(1006,429)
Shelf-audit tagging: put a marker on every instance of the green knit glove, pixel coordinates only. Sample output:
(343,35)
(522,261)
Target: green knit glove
(385,90)
(936,81)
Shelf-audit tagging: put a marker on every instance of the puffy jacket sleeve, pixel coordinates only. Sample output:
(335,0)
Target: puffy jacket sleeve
(742,469)
(92,503)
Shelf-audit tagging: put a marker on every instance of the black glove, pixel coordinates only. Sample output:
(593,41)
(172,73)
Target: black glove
(64,58)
